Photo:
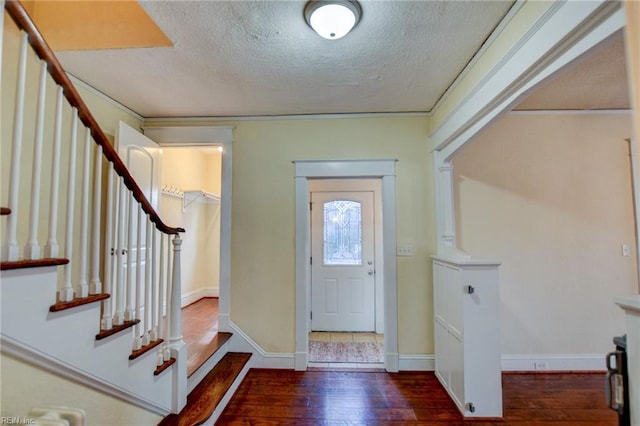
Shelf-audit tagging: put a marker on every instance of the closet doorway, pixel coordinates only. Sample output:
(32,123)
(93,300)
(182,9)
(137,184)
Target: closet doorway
(190,198)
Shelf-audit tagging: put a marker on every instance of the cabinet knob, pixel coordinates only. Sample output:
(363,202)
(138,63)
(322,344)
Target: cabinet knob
(470,289)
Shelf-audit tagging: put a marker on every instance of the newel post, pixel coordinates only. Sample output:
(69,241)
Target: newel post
(177,347)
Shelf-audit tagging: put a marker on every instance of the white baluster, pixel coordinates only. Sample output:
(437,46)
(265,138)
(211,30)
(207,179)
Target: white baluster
(167,301)
(161,329)
(32,249)
(129,312)
(137,337)
(109,253)
(146,320)
(95,286)
(52,249)
(66,293)
(11,249)
(155,271)
(147,284)
(1,44)
(121,254)
(83,282)
(175,315)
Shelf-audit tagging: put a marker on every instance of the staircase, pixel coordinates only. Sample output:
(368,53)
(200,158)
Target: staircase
(90,272)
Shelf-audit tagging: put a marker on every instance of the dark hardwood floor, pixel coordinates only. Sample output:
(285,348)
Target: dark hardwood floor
(285,397)
(199,331)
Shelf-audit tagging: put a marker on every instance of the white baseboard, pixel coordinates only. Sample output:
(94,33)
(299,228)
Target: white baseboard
(194,296)
(411,362)
(241,342)
(553,362)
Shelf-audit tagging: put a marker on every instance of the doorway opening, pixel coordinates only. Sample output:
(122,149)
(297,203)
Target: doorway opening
(383,172)
(190,198)
(347,309)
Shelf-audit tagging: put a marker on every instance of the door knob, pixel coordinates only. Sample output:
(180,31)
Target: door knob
(370,272)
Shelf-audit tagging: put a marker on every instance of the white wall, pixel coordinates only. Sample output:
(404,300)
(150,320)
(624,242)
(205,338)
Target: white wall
(193,169)
(550,196)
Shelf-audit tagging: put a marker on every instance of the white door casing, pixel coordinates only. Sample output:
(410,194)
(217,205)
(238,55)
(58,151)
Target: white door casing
(343,266)
(358,169)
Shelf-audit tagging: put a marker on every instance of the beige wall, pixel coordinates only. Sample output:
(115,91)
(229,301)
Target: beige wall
(192,169)
(263,255)
(550,196)
(25,387)
(262,275)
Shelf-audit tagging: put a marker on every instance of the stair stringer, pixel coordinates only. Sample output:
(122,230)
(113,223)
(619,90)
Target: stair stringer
(64,342)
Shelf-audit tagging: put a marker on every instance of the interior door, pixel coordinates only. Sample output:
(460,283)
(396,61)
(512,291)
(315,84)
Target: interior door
(343,261)
(143,157)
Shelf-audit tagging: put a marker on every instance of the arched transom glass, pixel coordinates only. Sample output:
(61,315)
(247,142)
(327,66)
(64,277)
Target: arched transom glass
(342,233)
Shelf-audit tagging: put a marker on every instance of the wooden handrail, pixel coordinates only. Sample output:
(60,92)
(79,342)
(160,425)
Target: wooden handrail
(44,52)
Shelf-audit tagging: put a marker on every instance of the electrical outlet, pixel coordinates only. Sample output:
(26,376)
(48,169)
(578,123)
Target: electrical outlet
(539,365)
(625,249)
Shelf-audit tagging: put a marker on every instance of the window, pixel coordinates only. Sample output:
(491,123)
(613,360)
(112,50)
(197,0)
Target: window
(342,233)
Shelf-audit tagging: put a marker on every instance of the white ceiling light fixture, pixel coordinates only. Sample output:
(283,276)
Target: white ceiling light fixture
(332,19)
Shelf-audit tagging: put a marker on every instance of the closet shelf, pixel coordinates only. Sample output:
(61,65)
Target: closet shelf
(191,196)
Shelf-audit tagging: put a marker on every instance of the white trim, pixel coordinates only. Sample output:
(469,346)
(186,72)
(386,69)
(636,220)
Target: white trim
(288,117)
(210,135)
(562,27)
(417,362)
(515,8)
(305,170)
(554,362)
(67,371)
(85,86)
(196,295)
(241,342)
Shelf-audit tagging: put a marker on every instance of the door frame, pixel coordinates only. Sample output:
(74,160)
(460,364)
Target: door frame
(319,169)
(193,136)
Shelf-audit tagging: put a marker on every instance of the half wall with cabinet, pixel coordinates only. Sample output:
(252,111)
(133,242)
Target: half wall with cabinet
(467,334)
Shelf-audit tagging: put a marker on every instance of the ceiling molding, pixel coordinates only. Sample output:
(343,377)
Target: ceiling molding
(101,95)
(288,117)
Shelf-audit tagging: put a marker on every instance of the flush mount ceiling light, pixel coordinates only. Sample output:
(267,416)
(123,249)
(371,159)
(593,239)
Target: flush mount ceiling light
(332,19)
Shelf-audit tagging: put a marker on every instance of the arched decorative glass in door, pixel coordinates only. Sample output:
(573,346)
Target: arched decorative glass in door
(342,233)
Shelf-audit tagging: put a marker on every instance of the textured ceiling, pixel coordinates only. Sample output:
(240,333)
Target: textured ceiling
(597,80)
(251,58)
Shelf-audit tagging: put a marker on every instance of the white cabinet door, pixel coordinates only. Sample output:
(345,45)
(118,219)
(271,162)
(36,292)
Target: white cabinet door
(343,269)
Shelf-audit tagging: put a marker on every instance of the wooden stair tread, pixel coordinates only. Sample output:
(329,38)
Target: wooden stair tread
(143,350)
(37,263)
(197,360)
(116,329)
(5,211)
(78,301)
(207,395)
(168,363)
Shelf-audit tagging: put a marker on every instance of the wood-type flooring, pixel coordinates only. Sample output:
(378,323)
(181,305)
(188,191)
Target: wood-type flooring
(285,397)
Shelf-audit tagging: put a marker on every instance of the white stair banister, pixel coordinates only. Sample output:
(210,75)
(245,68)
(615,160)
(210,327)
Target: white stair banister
(66,293)
(137,337)
(146,319)
(131,220)
(95,285)
(168,298)
(32,249)
(156,277)
(11,249)
(52,248)
(83,282)
(119,284)
(107,305)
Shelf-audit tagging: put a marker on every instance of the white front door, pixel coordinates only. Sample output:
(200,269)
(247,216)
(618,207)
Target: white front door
(343,261)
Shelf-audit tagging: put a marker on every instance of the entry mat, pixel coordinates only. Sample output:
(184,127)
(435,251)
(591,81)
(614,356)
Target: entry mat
(363,352)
